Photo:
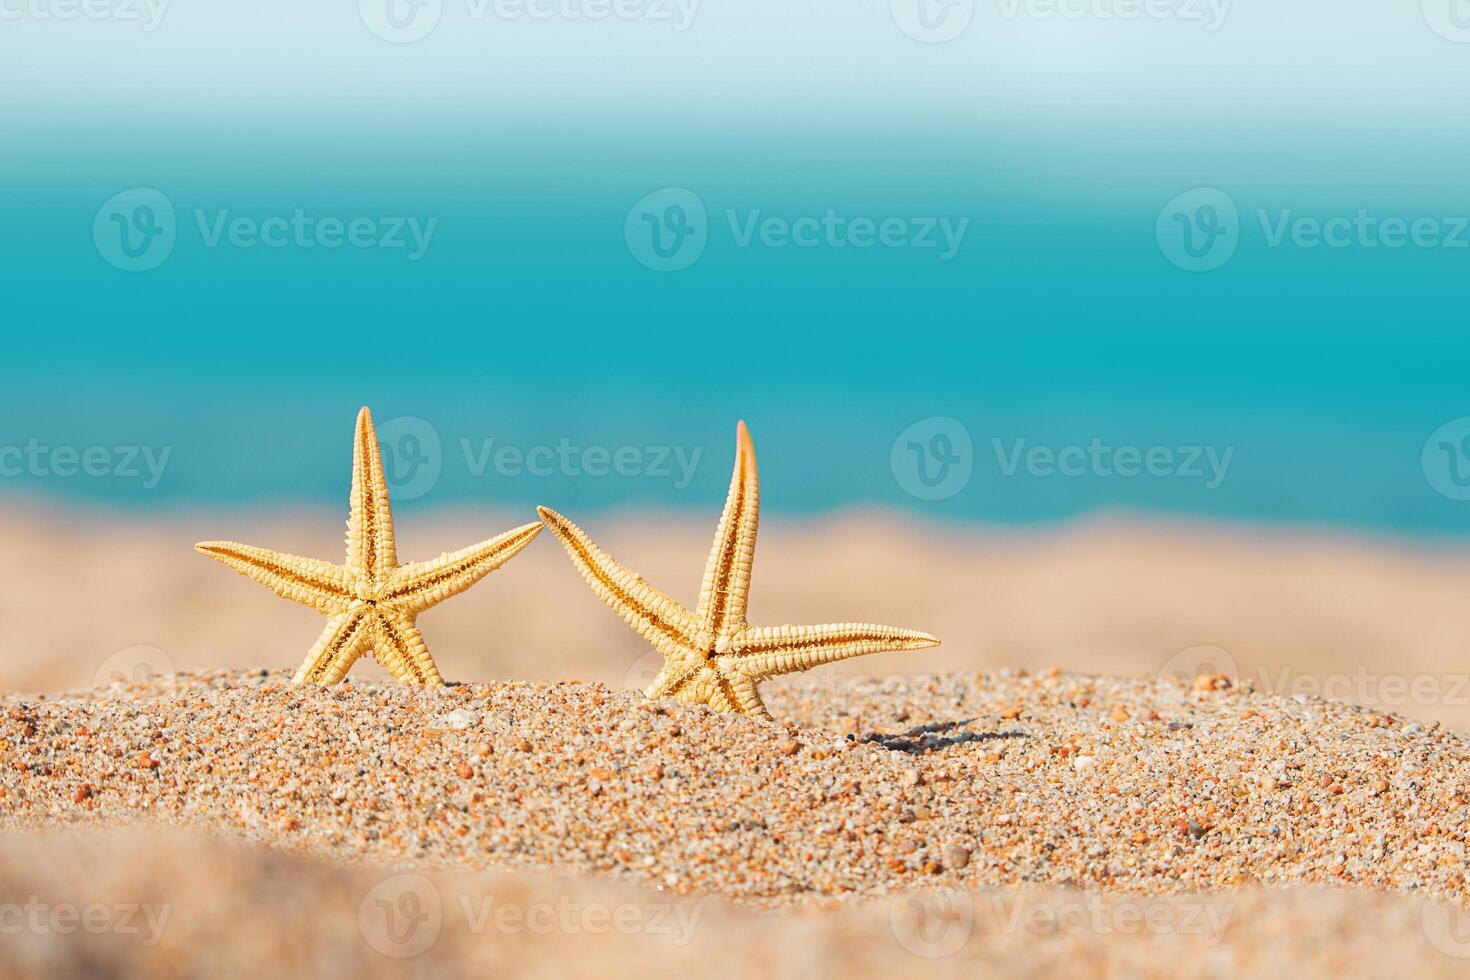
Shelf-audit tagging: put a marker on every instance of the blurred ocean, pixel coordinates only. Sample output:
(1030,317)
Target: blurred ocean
(566,256)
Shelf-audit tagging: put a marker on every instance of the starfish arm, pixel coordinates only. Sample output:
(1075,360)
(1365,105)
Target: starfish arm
(747,699)
(398,646)
(717,697)
(340,644)
(420,585)
(726,587)
(656,617)
(708,684)
(371,551)
(680,668)
(309,581)
(667,677)
(769,651)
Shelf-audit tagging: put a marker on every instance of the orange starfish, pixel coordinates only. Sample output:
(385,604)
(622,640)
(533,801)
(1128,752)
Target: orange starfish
(371,601)
(712,656)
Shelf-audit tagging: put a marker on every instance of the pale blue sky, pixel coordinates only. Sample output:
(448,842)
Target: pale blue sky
(1267,59)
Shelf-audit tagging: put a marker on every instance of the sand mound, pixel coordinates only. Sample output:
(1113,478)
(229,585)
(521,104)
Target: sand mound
(877,789)
(134,905)
(1365,620)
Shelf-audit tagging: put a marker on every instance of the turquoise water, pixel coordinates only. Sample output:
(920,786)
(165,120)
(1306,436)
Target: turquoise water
(1063,319)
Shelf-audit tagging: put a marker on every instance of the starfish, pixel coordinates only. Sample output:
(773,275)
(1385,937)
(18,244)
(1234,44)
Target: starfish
(372,601)
(712,656)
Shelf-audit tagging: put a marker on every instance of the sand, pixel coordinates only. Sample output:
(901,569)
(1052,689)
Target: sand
(1050,790)
(1374,622)
(905,815)
(184,906)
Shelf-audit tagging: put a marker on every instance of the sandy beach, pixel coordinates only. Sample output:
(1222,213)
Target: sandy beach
(1378,622)
(1054,814)
(391,585)
(228,910)
(1121,748)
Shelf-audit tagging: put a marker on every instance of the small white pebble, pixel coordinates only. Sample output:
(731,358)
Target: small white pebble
(458,719)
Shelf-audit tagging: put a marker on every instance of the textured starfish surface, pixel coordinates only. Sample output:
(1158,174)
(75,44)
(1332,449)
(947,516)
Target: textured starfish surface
(371,601)
(712,656)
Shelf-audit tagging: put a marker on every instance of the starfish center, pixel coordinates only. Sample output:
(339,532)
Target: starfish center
(369,593)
